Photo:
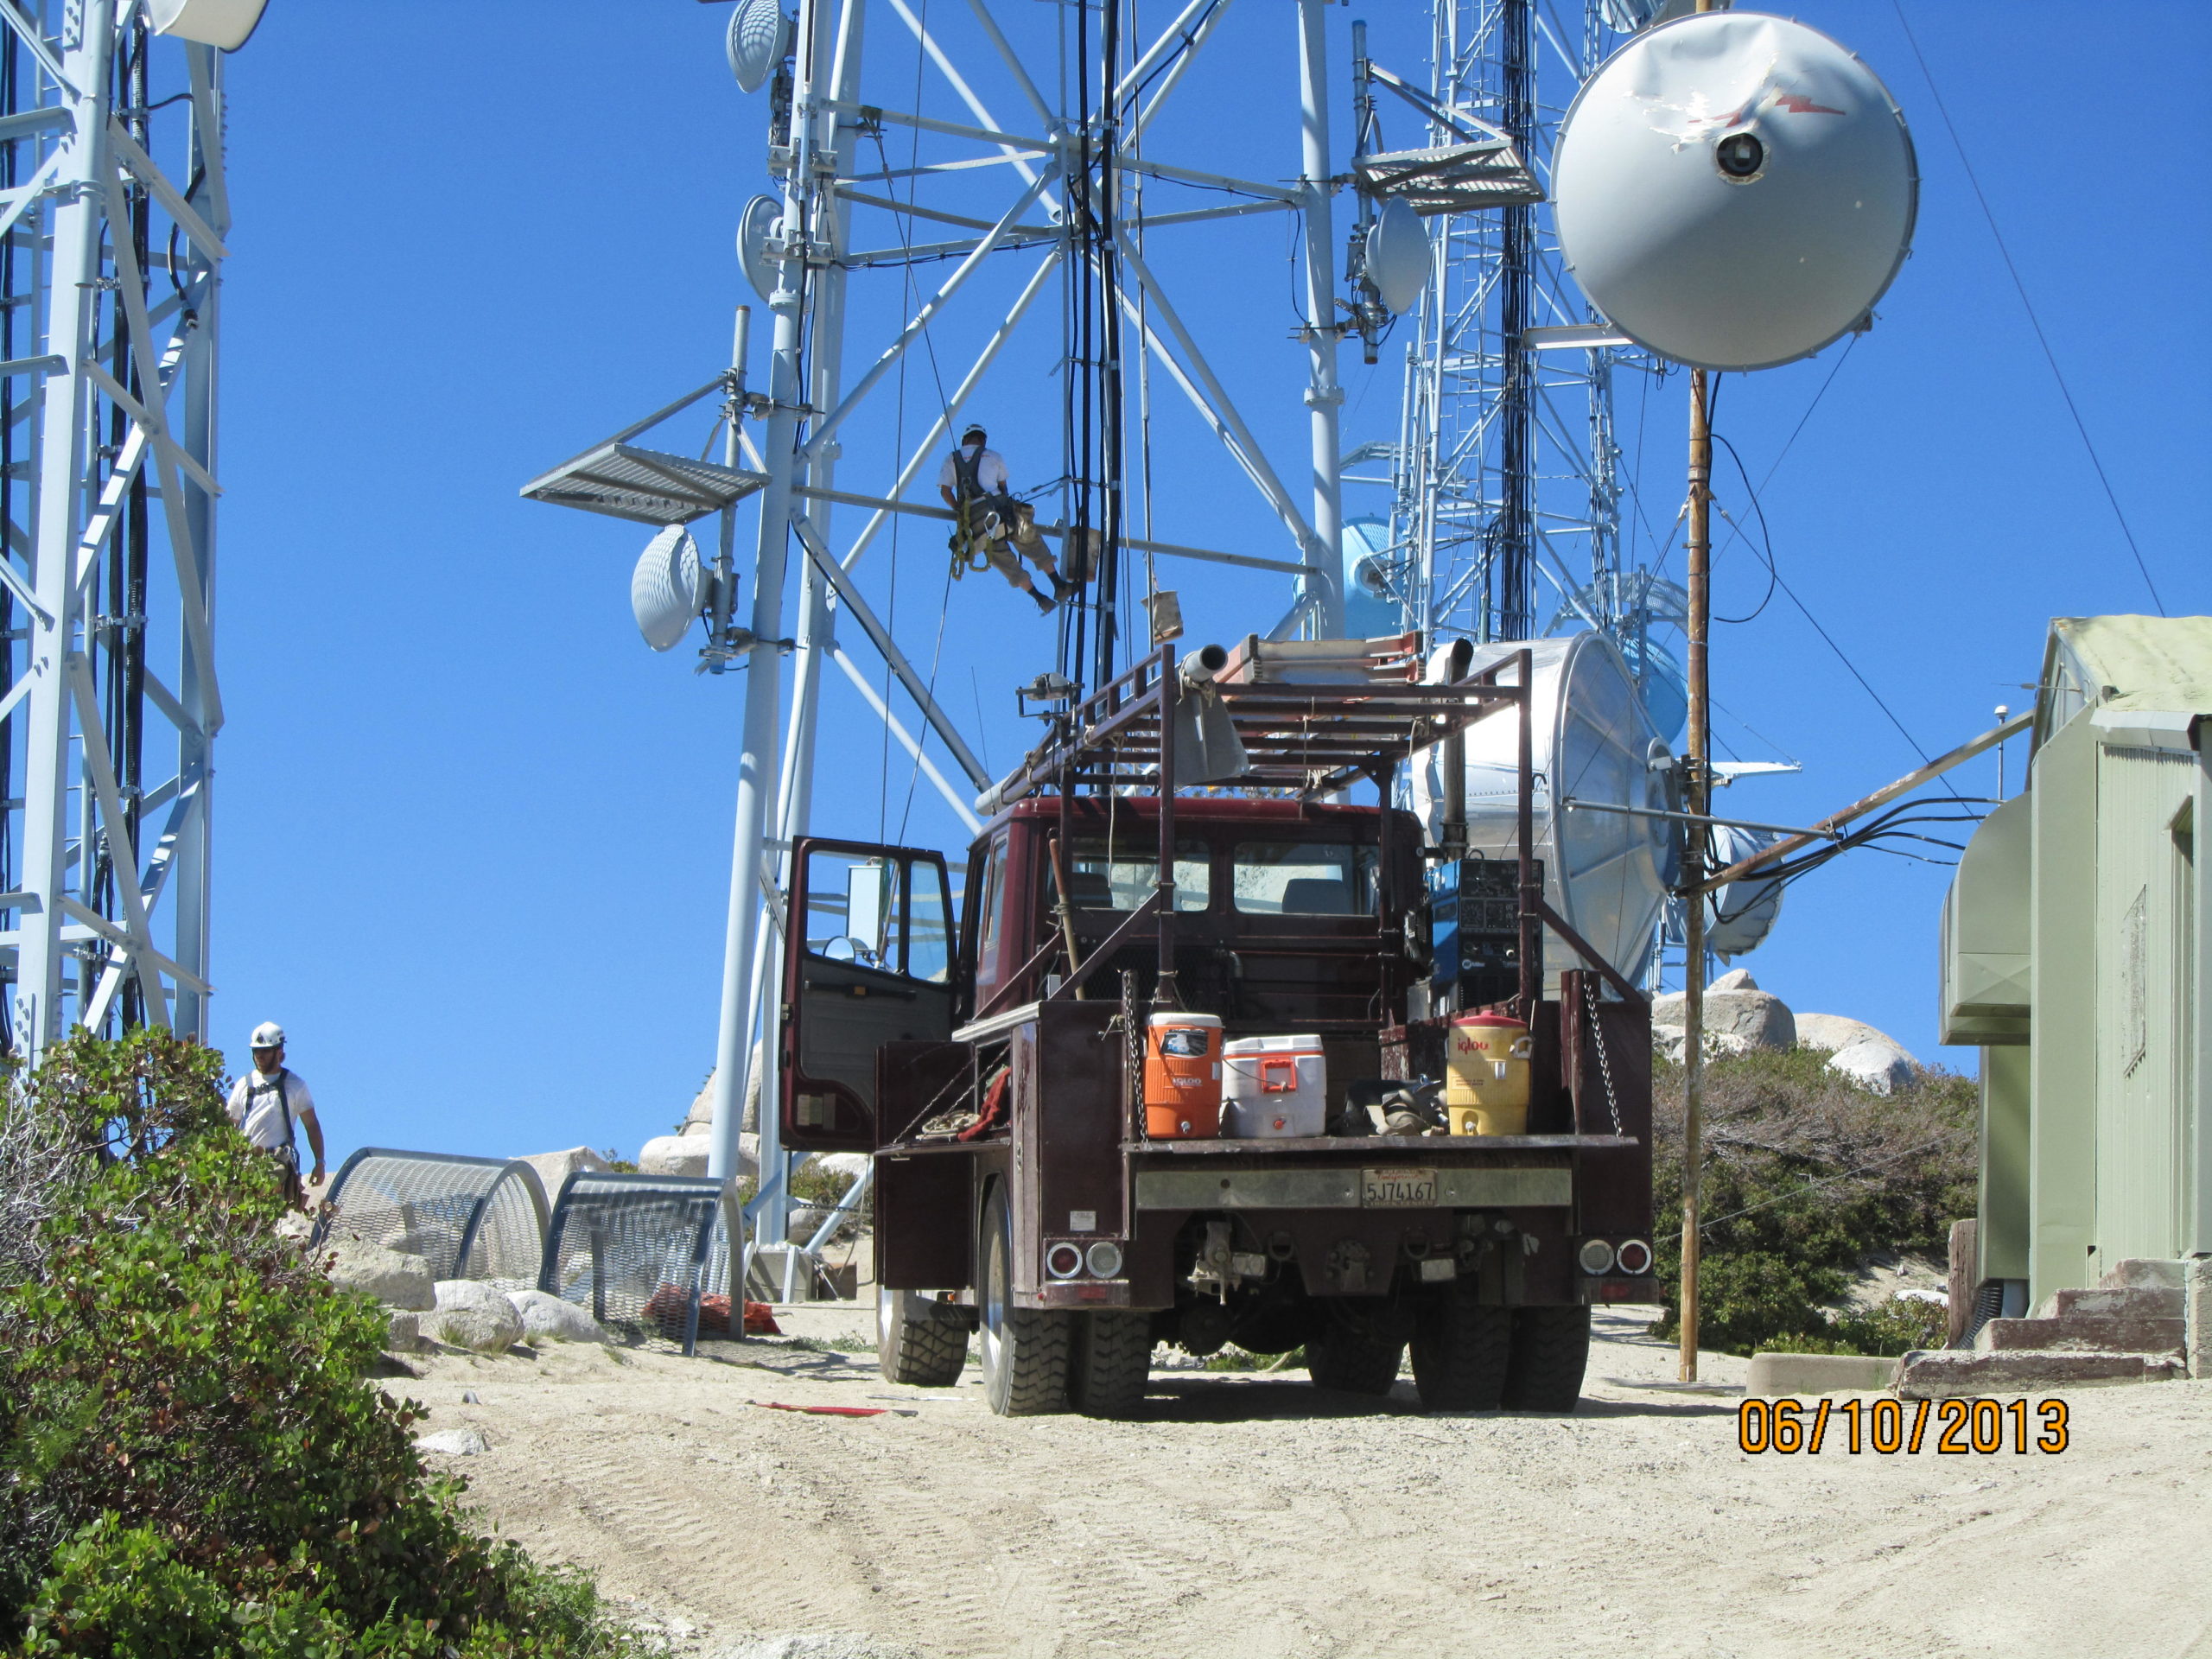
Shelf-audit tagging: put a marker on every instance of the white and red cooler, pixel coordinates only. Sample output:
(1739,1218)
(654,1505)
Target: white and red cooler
(1273,1088)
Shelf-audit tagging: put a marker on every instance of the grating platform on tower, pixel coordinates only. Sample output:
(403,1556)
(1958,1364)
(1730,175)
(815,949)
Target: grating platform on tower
(649,486)
(1452,178)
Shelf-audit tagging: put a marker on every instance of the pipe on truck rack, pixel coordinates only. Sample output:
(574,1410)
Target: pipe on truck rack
(1167,992)
(1447,665)
(1200,666)
(1532,899)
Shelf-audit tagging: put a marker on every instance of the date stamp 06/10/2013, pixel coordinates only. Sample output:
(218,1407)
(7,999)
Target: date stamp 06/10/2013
(1954,1428)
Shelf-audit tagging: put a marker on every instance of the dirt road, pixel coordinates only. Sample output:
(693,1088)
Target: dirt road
(1254,1515)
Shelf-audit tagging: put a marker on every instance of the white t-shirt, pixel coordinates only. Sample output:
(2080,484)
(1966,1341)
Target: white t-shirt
(254,1108)
(990,472)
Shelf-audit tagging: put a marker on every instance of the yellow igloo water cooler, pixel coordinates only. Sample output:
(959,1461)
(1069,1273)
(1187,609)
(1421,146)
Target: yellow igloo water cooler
(1486,1075)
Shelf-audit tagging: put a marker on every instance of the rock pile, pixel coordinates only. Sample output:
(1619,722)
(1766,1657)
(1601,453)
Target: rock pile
(554,1167)
(454,1312)
(398,1279)
(1739,1017)
(686,1153)
(472,1315)
(546,1317)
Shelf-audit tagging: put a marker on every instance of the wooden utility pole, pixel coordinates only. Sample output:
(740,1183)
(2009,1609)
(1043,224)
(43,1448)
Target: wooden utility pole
(1698,802)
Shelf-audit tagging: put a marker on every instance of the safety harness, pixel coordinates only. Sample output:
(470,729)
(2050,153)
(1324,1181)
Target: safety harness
(287,1154)
(968,493)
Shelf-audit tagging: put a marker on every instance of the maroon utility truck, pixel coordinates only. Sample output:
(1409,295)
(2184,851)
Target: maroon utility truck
(991,1062)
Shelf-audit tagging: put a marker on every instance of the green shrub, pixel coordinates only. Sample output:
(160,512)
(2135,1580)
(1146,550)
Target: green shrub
(190,1462)
(822,1189)
(1806,1176)
(1233,1358)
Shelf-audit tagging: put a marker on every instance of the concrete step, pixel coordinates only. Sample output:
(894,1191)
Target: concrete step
(2082,1333)
(1771,1376)
(2138,1273)
(1943,1373)
(2134,1302)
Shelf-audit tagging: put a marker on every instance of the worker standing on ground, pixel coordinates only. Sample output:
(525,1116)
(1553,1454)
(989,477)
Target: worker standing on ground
(269,1101)
(1004,531)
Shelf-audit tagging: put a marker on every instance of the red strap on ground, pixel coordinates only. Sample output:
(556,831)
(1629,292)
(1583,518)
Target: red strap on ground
(823,1411)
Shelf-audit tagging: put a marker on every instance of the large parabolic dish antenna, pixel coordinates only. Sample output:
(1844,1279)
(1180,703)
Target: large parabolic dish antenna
(762,219)
(1605,872)
(1739,917)
(1398,257)
(760,34)
(1734,190)
(668,589)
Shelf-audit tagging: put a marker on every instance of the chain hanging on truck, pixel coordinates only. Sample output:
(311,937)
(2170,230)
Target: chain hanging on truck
(1133,1027)
(1598,1039)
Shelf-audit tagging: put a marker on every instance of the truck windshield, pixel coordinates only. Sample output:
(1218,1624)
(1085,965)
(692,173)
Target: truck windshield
(1122,880)
(1304,878)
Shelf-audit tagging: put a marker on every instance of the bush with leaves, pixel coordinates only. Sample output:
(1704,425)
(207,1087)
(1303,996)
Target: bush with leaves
(190,1461)
(1806,1176)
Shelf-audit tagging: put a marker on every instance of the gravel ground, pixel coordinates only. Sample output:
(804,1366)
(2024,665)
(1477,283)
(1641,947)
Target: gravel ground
(1255,1515)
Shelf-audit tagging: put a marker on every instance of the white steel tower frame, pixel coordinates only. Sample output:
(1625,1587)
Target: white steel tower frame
(1506,481)
(1071,157)
(112,211)
(798,450)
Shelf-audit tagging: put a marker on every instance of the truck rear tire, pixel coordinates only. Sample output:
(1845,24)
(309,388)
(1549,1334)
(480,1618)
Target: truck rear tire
(1462,1351)
(1025,1349)
(1354,1354)
(1551,1349)
(923,1353)
(1108,1364)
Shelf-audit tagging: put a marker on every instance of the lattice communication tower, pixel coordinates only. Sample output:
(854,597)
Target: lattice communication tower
(1506,481)
(113,210)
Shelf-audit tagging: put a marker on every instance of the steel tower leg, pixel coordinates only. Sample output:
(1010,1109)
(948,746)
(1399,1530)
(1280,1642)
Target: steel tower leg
(1513,561)
(817,636)
(1486,496)
(763,670)
(41,955)
(1324,396)
(104,840)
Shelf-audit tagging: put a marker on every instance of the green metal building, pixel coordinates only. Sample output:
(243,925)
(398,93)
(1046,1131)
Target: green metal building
(2074,943)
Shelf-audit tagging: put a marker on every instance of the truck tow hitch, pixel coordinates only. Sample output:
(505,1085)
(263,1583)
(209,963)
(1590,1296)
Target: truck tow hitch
(1220,1266)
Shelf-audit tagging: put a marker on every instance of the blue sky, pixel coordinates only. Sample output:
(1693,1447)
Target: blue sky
(472,837)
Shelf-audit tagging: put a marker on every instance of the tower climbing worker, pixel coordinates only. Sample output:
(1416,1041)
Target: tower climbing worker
(268,1101)
(992,523)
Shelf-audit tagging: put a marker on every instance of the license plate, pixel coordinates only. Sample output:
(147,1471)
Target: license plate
(1399,1188)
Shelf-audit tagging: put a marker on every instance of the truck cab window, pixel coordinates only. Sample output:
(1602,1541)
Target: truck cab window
(852,911)
(929,925)
(987,934)
(1119,876)
(1304,878)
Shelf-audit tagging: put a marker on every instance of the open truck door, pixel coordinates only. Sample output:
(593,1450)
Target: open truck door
(868,960)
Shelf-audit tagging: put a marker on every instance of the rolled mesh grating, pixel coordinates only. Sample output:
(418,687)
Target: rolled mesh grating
(467,1217)
(642,1253)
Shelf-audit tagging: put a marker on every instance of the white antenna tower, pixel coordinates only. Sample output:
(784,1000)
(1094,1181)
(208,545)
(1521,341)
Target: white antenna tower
(112,211)
(1037,160)
(1506,478)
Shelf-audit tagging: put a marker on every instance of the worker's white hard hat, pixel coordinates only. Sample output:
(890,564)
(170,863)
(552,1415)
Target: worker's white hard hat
(268,1034)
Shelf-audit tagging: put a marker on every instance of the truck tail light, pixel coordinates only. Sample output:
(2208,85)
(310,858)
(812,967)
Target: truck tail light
(1063,1260)
(1104,1259)
(1596,1256)
(1635,1257)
